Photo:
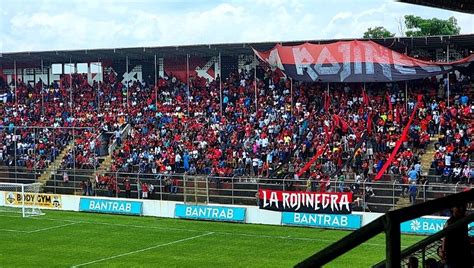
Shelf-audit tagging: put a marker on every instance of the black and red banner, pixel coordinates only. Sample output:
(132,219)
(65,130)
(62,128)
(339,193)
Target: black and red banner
(352,61)
(308,202)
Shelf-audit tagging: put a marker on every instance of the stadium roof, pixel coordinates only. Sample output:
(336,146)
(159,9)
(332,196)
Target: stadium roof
(399,44)
(465,6)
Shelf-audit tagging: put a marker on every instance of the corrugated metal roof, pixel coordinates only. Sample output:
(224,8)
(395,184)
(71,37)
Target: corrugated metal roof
(465,6)
(400,44)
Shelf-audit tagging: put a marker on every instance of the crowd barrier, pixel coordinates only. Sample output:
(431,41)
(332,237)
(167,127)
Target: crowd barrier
(380,196)
(230,213)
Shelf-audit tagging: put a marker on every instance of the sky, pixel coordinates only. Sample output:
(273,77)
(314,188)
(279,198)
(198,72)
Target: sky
(38,25)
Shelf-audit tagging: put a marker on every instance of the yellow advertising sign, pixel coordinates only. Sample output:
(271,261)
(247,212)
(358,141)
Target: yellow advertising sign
(40,200)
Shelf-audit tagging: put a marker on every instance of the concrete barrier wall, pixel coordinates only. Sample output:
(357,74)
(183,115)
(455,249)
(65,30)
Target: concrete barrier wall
(252,214)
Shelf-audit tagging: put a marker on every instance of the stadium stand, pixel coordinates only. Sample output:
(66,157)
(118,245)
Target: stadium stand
(238,131)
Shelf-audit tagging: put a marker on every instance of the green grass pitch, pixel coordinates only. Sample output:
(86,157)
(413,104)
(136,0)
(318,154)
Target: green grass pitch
(73,239)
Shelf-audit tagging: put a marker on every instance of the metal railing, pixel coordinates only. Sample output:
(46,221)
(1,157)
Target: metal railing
(367,196)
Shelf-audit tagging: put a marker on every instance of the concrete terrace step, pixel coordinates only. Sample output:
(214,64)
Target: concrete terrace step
(54,166)
(427,157)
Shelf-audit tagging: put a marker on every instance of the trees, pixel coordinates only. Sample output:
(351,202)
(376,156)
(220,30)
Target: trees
(417,26)
(378,32)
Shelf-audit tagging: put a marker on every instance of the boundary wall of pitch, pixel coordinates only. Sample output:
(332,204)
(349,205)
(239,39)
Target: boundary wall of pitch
(229,213)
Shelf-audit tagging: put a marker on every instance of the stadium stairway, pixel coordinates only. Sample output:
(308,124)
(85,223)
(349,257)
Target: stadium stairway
(106,162)
(104,166)
(427,158)
(402,202)
(54,166)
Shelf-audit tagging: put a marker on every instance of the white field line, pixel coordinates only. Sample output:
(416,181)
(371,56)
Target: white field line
(13,231)
(143,249)
(52,227)
(39,230)
(199,231)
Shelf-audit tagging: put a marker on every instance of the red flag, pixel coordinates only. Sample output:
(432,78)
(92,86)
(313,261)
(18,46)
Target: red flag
(369,124)
(397,145)
(327,102)
(365,98)
(341,123)
(335,119)
(319,152)
(389,100)
(398,117)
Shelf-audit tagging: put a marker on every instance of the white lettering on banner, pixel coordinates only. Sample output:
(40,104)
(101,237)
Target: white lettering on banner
(382,58)
(303,60)
(432,227)
(209,213)
(91,205)
(344,202)
(265,203)
(297,200)
(333,201)
(344,221)
(345,49)
(309,200)
(326,57)
(320,219)
(188,211)
(398,62)
(294,202)
(274,59)
(325,200)
(357,61)
(102,205)
(274,199)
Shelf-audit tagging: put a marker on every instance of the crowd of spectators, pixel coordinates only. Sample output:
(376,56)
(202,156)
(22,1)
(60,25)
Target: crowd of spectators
(176,127)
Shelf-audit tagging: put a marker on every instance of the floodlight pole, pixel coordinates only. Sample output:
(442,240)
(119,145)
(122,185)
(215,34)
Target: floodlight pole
(447,61)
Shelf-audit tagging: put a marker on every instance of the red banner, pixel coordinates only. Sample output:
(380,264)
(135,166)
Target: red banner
(352,61)
(309,202)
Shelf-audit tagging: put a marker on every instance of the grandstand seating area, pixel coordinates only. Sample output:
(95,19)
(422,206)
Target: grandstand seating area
(270,136)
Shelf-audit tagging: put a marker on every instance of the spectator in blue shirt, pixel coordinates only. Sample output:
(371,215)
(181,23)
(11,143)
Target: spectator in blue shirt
(413,191)
(413,174)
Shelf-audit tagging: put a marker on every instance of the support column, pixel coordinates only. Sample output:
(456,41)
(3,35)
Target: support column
(126,71)
(255,83)
(188,84)
(16,81)
(156,86)
(406,95)
(447,61)
(98,86)
(42,89)
(291,95)
(220,83)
